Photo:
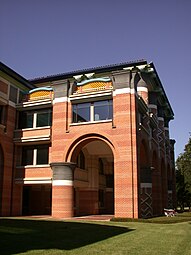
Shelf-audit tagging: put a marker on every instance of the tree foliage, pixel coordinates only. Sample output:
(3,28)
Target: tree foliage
(183,177)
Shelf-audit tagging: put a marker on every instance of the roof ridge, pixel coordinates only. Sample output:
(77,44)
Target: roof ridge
(69,73)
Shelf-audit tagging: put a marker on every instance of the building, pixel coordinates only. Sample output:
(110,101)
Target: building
(94,141)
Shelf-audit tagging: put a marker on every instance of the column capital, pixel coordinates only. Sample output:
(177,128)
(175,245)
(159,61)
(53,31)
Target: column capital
(63,170)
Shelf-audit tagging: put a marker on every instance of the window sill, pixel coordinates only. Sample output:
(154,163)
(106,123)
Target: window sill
(90,122)
(34,166)
(91,94)
(81,169)
(29,129)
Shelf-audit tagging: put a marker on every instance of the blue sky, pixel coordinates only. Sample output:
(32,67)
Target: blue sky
(44,37)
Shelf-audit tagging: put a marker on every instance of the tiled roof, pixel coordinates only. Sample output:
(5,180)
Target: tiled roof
(4,68)
(98,69)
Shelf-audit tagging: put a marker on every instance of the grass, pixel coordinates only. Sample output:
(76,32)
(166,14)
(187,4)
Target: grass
(180,217)
(26,236)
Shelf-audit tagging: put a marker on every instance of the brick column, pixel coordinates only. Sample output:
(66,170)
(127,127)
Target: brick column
(62,189)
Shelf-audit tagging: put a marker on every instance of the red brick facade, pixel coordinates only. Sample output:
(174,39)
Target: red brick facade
(106,133)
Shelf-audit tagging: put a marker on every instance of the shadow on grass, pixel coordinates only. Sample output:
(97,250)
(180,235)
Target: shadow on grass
(17,236)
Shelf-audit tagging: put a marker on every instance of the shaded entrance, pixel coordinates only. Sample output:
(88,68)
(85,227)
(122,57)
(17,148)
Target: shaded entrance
(37,199)
(93,178)
(146,183)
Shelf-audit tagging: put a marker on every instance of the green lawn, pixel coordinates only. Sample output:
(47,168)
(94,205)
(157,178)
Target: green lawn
(26,236)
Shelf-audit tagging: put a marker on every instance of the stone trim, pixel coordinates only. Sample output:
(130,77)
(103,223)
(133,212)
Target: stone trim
(142,89)
(60,100)
(123,91)
(63,170)
(62,183)
(146,185)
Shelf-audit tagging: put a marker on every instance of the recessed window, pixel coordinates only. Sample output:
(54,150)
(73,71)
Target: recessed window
(26,120)
(103,110)
(95,111)
(13,94)
(81,112)
(101,198)
(43,119)
(27,156)
(81,160)
(34,119)
(3,113)
(42,155)
(101,166)
(35,155)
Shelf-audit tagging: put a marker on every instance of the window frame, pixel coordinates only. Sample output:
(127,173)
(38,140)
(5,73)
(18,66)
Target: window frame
(81,161)
(34,115)
(3,115)
(34,160)
(92,107)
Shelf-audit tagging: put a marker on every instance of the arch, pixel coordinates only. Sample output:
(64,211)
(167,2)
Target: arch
(164,183)
(146,182)
(93,180)
(155,161)
(169,177)
(144,158)
(156,185)
(73,149)
(1,175)
(169,171)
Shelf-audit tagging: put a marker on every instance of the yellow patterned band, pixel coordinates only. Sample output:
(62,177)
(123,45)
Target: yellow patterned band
(94,86)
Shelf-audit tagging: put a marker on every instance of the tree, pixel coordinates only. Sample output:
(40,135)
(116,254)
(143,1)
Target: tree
(183,177)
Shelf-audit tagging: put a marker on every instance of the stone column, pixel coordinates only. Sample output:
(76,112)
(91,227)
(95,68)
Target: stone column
(62,189)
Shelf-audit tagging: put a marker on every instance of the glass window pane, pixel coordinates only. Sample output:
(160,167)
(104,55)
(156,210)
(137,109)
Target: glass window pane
(27,156)
(3,114)
(42,155)
(25,120)
(103,110)
(43,119)
(81,160)
(29,120)
(13,94)
(74,113)
(81,112)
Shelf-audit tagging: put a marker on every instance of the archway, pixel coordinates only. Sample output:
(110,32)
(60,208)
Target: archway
(156,186)
(164,188)
(93,177)
(145,182)
(1,176)
(170,186)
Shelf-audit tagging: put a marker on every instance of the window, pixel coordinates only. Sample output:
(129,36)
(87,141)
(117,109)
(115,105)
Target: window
(42,155)
(101,198)
(81,160)
(13,94)
(35,155)
(109,180)
(32,119)
(101,166)
(3,111)
(43,119)
(26,120)
(81,112)
(103,110)
(95,111)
